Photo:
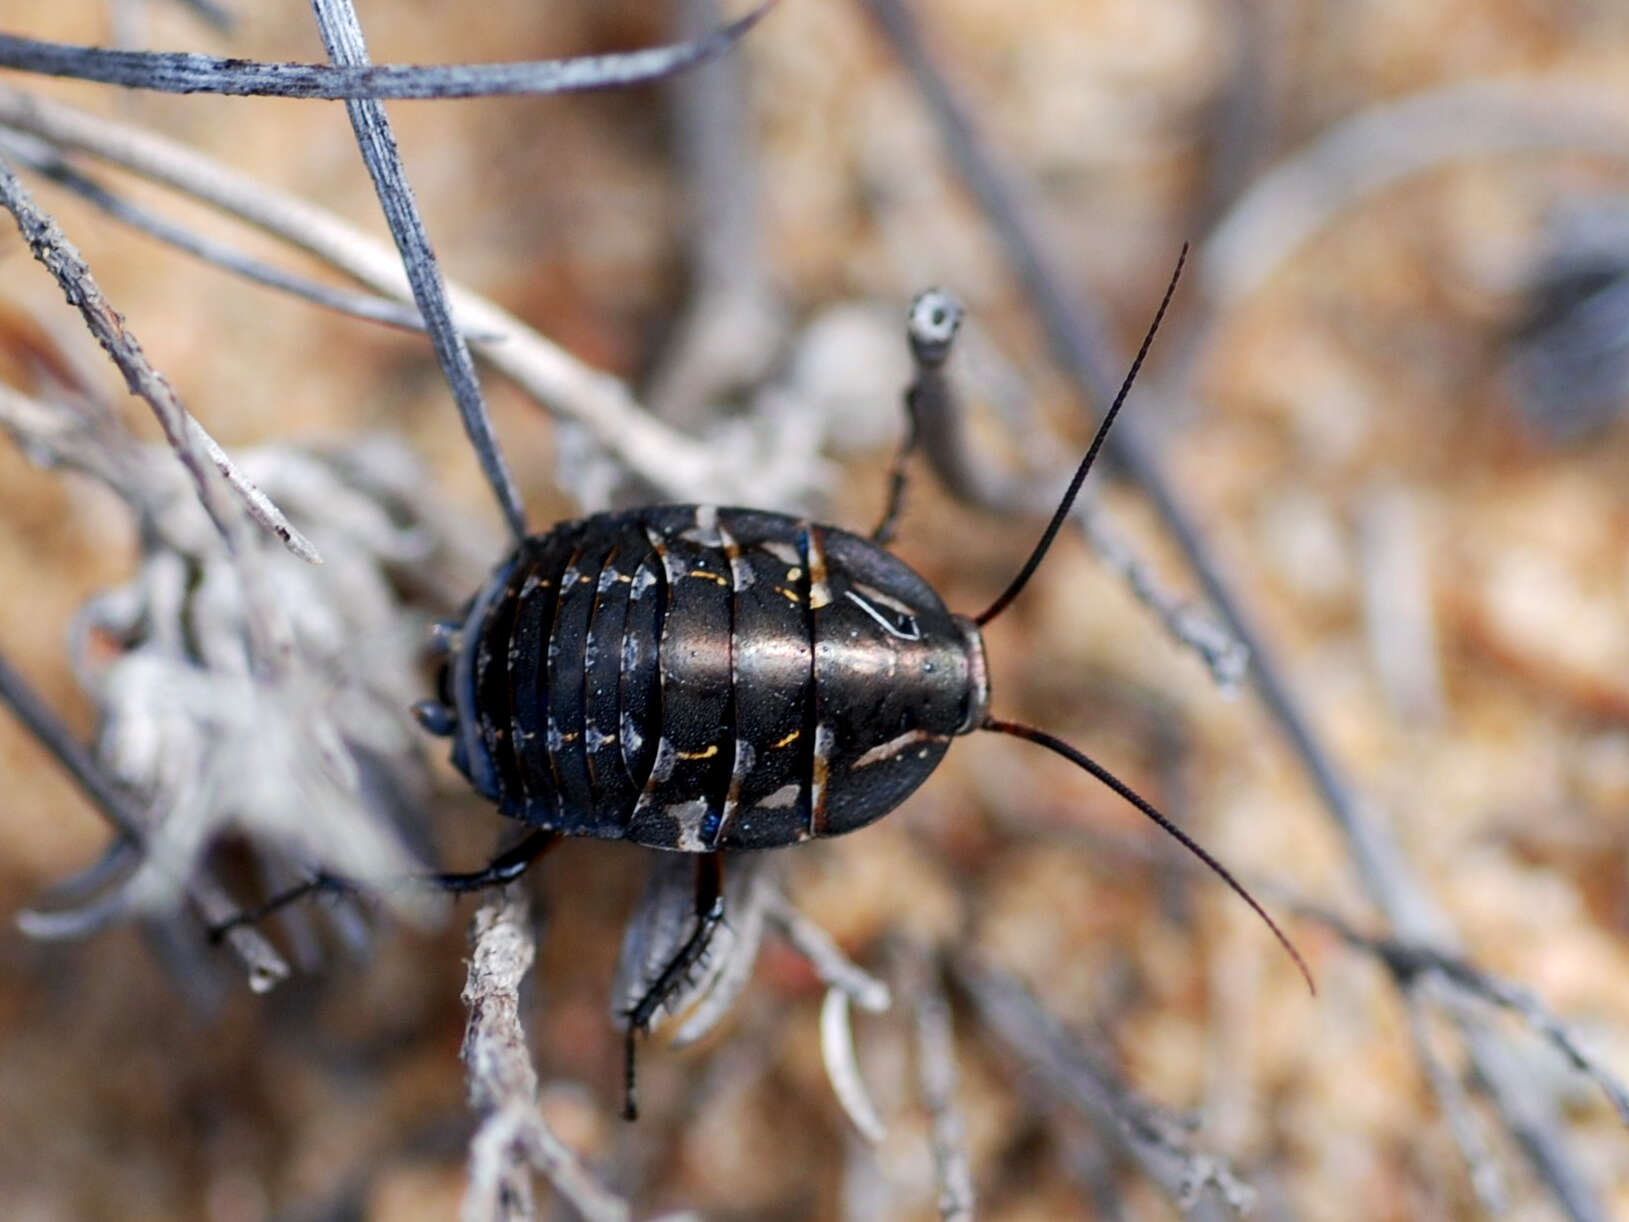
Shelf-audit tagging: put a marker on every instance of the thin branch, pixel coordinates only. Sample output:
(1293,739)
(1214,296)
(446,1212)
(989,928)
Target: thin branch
(936,1080)
(938,418)
(1080,344)
(1487,1181)
(733,323)
(1355,160)
(678,466)
(1409,962)
(1065,1072)
(180,72)
(342,35)
(833,967)
(497,1060)
(265,967)
(843,1067)
(512,1138)
(44,160)
(185,435)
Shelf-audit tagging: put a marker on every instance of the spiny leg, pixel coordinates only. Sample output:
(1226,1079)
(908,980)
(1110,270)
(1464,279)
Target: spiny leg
(709,915)
(884,534)
(504,868)
(930,326)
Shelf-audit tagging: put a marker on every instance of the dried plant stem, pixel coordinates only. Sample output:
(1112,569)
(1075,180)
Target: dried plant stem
(1487,1181)
(211,470)
(937,422)
(184,72)
(264,966)
(679,466)
(1062,1071)
(42,158)
(936,1079)
(512,1139)
(185,435)
(1384,145)
(342,35)
(1411,963)
(834,968)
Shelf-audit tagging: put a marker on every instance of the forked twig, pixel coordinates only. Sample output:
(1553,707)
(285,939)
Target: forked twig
(1063,1072)
(204,461)
(342,35)
(936,1081)
(936,416)
(265,967)
(513,1139)
(1410,962)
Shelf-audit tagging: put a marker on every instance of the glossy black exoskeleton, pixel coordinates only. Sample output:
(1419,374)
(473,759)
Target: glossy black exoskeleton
(702,679)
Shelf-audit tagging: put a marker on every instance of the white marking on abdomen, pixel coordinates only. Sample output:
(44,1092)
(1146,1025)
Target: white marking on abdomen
(783,797)
(895,746)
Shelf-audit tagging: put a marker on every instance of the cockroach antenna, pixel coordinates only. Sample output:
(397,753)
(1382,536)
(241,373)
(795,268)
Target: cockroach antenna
(1056,745)
(1064,506)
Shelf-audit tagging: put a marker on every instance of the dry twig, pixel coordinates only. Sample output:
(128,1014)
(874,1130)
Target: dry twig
(186,437)
(936,1079)
(182,72)
(342,35)
(766,465)
(513,1139)
(42,158)
(260,960)
(1061,1070)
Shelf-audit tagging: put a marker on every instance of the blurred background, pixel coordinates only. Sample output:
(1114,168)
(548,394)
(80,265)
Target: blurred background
(1390,395)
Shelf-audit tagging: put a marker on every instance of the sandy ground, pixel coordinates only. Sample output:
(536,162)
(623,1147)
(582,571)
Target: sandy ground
(1436,558)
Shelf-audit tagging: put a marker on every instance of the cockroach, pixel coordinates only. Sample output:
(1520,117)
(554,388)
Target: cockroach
(705,680)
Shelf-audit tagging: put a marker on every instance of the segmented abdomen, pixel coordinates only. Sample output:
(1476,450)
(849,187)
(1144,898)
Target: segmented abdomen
(696,678)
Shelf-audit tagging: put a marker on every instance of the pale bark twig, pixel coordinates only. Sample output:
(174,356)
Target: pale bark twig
(41,158)
(936,1080)
(1487,1180)
(512,1139)
(1410,962)
(204,460)
(829,962)
(260,960)
(1062,1071)
(937,417)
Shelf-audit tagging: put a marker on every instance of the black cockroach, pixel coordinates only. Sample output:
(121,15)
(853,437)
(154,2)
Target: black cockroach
(704,680)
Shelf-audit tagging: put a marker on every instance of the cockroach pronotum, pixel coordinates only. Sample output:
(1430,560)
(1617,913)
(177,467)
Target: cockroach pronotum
(705,680)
